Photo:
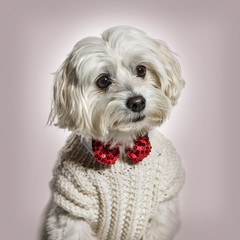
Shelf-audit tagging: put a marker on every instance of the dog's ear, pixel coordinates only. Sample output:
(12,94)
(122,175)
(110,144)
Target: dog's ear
(66,107)
(170,77)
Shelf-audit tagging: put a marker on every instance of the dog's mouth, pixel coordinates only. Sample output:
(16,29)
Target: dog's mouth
(135,119)
(138,119)
(129,123)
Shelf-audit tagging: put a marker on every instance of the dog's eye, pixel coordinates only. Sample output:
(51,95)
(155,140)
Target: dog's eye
(141,71)
(104,82)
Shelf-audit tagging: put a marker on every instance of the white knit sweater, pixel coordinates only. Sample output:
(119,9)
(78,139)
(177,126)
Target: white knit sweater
(117,200)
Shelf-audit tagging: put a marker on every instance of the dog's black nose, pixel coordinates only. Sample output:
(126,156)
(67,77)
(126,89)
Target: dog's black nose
(136,104)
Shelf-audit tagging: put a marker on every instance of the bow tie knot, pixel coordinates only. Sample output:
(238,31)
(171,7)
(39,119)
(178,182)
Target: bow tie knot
(106,155)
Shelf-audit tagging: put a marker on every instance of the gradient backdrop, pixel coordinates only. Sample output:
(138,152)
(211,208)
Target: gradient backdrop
(36,37)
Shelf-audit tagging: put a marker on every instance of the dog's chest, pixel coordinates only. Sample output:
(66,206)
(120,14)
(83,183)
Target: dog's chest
(116,200)
(128,196)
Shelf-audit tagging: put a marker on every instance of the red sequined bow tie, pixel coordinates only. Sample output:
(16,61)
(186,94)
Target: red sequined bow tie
(106,155)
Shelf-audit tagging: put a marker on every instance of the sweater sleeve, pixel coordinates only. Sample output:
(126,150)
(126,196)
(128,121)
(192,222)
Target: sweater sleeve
(171,172)
(74,192)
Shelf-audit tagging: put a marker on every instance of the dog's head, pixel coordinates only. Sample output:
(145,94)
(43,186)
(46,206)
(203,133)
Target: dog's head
(116,87)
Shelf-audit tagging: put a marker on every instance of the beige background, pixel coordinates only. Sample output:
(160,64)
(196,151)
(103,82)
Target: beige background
(36,37)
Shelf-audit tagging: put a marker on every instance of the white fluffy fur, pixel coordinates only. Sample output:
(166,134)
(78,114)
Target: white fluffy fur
(80,106)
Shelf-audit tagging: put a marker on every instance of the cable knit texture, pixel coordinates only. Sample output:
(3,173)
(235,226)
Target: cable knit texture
(116,200)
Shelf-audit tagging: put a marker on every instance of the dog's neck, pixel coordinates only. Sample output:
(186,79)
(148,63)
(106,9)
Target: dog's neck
(88,144)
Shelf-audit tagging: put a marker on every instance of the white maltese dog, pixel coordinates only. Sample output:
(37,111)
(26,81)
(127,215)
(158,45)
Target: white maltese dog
(117,177)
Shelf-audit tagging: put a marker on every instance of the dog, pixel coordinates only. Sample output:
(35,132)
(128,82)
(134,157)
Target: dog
(117,177)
